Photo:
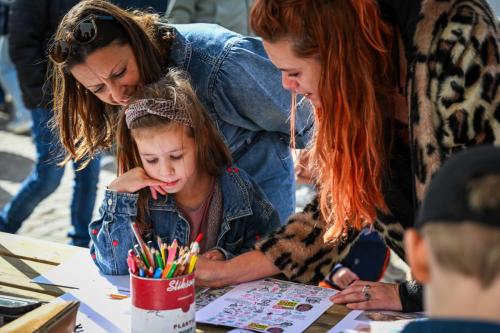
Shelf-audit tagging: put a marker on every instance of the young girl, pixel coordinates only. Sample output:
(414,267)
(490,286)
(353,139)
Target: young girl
(167,142)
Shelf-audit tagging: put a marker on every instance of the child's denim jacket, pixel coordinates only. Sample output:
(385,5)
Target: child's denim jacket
(246,215)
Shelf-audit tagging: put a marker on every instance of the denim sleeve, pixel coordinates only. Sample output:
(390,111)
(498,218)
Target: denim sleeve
(111,234)
(261,223)
(247,92)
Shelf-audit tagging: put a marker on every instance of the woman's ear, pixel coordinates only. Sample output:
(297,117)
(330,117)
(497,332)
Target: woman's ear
(417,254)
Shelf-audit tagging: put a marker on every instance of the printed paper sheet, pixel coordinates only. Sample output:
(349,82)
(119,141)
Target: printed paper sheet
(375,322)
(268,305)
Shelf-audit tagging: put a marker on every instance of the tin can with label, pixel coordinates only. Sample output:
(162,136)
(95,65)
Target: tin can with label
(163,305)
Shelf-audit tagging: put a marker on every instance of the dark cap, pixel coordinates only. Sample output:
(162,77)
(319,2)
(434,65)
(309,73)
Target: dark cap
(451,197)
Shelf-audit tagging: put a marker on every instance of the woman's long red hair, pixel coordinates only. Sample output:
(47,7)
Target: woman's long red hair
(349,151)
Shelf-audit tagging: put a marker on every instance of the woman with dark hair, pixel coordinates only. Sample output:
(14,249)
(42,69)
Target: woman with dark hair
(101,54)
(398,87)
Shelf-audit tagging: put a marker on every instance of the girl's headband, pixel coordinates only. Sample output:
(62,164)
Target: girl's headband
(161,107)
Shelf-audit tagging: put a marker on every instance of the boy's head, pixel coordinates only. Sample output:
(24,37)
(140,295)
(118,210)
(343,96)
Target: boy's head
(457,231)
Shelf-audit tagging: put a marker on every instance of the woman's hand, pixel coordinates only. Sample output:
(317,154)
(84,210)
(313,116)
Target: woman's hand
(246,267)
(344,277)
(136,179)
(367,295)
(210,273)
(214,255)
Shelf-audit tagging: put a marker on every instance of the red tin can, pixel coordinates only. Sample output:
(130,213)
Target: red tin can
(163,305)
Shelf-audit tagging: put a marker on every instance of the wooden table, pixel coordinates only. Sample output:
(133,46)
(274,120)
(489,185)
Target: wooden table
(24,258)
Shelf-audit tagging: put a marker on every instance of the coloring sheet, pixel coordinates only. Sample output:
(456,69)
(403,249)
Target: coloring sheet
(207,295)
(375,322)
(268,305)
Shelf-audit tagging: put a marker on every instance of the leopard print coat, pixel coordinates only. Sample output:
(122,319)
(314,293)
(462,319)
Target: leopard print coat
(453,94)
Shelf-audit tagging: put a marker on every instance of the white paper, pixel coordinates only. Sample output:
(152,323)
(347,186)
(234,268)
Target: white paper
(268,305)
(80,272)
(99,313)
(358,321)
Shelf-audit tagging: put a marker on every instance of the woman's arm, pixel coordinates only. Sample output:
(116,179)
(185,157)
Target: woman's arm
(249,266)
(247,92)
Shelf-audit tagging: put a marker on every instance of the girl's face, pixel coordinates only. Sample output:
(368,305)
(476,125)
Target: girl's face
(168,154)
(110,73)
(299,75)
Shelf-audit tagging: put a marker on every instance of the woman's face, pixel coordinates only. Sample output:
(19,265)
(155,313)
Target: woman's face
(110,73)
(299,75)
(168,154)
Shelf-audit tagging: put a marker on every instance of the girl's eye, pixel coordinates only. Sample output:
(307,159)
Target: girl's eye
(293,74)
(152,161)
(178,157)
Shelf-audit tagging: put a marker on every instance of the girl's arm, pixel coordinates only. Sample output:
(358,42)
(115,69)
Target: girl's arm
(111,234)
(247,91)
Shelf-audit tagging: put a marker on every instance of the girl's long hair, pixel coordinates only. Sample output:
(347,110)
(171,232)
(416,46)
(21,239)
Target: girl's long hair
(211,152)
(85,123)
(354,46)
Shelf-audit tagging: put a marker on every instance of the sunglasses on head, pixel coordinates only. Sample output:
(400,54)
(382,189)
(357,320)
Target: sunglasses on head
(84,32)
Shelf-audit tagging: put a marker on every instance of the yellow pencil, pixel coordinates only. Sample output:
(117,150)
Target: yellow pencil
(192,262)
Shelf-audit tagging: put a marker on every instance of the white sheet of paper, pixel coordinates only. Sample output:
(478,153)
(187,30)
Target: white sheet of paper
(99,313)
(80,272)
(358,321)
(268,305)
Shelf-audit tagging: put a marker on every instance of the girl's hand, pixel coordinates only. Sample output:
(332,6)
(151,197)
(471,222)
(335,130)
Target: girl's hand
(213,255)
(367,295)
(136,179)
(344,277)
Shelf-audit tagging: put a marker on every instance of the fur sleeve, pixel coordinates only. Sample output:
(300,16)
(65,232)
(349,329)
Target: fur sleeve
(454,83)
(299,250)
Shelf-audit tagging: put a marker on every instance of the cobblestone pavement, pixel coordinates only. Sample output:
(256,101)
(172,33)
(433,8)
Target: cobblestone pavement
(51,219)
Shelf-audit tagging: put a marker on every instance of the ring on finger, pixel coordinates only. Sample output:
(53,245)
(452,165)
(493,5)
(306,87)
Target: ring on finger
(367,295)
(365,288)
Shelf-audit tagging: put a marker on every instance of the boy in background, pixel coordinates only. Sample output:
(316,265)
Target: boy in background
(455,246)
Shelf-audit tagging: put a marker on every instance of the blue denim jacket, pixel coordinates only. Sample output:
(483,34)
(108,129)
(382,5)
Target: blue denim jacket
(241,90)
(246,215)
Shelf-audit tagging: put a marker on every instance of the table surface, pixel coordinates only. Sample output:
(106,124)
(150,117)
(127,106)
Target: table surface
(24,258)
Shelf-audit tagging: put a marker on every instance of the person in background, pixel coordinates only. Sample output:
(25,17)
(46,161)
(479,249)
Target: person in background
(231,14)
(21,118)
(166,142)
(454,248)
(32,23)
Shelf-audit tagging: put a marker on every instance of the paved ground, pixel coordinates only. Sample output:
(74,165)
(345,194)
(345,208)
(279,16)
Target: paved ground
(50,220)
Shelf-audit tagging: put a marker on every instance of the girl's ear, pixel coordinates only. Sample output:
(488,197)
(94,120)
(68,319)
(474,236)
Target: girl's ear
(417,254)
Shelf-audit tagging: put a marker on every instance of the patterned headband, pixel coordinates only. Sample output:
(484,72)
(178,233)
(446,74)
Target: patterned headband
(161,107)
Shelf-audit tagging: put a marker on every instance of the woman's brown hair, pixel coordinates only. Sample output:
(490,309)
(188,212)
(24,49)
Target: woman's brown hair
(353,46)
(85,123)
(211,152)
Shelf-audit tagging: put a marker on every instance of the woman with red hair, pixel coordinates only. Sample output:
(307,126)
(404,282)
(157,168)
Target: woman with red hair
(397,88)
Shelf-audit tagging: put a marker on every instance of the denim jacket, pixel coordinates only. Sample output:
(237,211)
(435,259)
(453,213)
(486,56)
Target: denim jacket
(246,216)
(241,90)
